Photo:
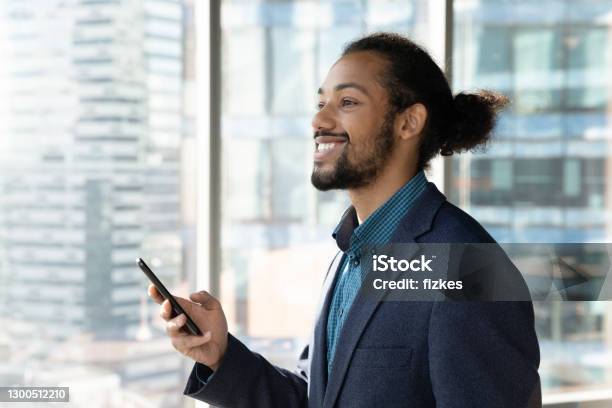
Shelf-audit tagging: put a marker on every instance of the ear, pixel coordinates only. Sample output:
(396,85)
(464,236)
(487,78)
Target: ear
(410,123)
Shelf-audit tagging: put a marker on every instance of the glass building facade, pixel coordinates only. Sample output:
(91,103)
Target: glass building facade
(93,125)
(545,177)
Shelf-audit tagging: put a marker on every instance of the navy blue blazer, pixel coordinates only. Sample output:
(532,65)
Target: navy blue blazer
(397,354)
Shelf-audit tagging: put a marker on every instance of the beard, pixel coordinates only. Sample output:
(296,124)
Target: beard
(364,168)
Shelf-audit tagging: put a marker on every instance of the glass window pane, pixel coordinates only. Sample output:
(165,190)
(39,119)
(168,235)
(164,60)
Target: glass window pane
(293,70)
(244,72)
(276,230)
(548,173)
(494,54)
(289,179)
(249,172)
(95,133)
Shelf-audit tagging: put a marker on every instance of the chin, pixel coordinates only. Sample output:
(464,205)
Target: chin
(326,170)
(323,180)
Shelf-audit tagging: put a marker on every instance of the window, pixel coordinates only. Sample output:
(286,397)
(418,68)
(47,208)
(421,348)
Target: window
(92,127)
(276,230)
(546,179)
(97,167)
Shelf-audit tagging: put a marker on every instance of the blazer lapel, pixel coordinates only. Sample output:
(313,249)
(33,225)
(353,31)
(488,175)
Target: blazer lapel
(420,217)
(417,221)
(317,380)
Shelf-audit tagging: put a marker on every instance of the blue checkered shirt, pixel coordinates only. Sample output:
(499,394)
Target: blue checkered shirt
(377,229)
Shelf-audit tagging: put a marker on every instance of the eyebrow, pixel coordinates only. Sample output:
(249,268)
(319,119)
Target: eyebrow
(345,85)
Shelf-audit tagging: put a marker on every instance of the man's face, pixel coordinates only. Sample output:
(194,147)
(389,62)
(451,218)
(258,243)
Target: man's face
(353,129)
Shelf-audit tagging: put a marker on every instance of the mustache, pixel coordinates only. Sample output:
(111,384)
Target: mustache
(326,133)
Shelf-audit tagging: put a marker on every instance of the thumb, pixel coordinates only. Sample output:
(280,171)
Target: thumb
(207,300)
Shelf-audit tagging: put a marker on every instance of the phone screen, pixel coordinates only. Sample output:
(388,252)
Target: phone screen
(192,328)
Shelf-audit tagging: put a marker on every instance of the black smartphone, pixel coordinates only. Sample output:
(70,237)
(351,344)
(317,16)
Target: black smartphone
(176,308)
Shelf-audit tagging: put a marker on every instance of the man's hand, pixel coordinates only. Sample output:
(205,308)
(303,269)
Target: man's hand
(208,315)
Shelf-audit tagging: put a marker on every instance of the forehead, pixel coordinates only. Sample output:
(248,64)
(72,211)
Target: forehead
(363,68)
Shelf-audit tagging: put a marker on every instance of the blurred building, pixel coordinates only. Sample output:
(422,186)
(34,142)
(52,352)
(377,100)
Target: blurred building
(546,176)
(543,179)
(90,165)
(91,171)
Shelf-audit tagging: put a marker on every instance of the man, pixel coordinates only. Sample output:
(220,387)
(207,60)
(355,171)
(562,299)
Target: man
(385,109)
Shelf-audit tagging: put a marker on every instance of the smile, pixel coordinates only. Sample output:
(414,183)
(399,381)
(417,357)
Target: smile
(327,150)
(326,146)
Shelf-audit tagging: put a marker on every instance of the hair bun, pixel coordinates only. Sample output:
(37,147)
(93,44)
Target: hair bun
(475,117)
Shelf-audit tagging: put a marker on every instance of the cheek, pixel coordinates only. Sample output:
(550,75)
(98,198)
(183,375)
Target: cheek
(362,141)
(362,127)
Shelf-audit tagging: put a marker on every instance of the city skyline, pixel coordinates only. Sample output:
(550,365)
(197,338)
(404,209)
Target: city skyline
(90,180)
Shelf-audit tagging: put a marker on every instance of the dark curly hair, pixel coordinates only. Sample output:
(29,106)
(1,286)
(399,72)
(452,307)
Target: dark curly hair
(454,124)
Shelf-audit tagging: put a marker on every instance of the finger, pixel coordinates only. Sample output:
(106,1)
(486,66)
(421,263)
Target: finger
(173,327)
(188,306)
(185,343)
(205,299)
(166,310)
(154,294)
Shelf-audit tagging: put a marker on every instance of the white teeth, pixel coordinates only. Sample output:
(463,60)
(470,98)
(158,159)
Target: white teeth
(325,146)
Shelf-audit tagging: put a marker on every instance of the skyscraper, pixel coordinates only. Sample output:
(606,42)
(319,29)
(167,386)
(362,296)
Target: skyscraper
(89,164)
(545,178)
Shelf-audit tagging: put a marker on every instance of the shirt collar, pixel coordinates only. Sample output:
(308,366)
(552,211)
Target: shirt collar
(379,226)
(344,230)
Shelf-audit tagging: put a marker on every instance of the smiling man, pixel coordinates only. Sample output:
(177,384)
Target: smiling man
(385,110)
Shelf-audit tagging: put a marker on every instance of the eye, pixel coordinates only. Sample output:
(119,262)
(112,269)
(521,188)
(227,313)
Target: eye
(320,105)
(348,102)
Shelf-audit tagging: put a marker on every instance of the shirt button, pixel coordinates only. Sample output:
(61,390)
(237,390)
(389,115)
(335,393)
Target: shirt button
(356,262)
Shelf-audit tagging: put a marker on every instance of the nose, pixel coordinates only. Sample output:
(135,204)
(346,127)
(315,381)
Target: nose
(322,121)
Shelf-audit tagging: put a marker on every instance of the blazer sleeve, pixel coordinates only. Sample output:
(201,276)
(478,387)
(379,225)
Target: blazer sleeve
(246,379)
(484,354)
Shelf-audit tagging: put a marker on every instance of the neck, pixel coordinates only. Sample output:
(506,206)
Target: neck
(368,198)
